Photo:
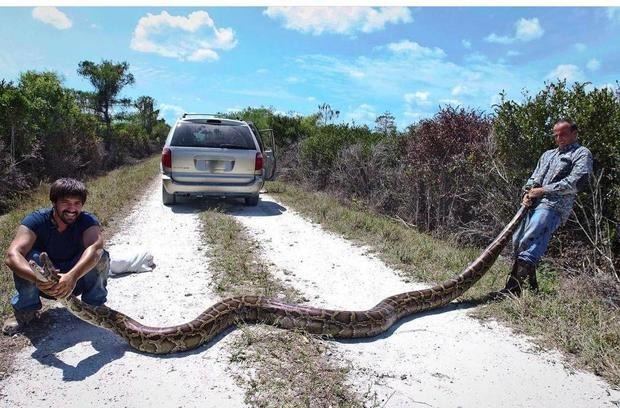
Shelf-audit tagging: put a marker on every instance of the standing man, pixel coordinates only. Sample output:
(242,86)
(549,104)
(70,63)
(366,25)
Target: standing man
(551,191)
(72,239)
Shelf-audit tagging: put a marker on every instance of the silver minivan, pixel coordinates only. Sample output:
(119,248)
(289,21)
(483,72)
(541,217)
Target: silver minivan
(206,155)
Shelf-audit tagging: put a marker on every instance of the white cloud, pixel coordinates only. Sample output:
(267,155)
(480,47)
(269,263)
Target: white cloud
(355,73)
(458,90)
(191,38)
(415,49)
(171,111)
(528,30)
(581,47)
(513,53)
(387,73)
(569,72)
(613,13)
(414,115)
(499,39)
(340,20)
(525,30)
(52,16)
(466,43)
(450,101)
(593,64)
(419,98)
(362,113)
(476,58)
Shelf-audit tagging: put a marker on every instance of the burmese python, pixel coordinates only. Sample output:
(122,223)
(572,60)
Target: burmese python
(336,323)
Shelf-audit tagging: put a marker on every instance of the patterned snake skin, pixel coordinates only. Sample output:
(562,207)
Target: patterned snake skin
(258,309)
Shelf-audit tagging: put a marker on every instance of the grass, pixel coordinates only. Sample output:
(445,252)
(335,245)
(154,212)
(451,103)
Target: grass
(276,367)
(235,262)
(567,315)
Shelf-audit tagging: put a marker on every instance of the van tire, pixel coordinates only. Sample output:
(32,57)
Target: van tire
(252,201)
(167,198)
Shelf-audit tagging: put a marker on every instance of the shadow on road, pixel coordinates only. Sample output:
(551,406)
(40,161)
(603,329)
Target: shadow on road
(445,309)
(265,207)
(57,331)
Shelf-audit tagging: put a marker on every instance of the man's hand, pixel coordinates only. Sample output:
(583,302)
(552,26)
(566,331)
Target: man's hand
(45,287)
(64,287)
(536,192)
(532,195)
(59,290)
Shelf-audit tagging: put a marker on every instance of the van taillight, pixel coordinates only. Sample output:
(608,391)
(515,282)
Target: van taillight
(258,164)
(166,158)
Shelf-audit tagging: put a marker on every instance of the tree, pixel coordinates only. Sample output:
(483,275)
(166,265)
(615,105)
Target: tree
(13,107)
(108,79)
(147,116)
(327,114)
(386,124)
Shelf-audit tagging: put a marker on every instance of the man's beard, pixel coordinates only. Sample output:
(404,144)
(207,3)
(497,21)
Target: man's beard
(66,216)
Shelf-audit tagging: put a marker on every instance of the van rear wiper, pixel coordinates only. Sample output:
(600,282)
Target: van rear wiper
(232,146)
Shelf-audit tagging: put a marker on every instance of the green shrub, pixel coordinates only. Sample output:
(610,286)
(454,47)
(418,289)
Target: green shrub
(320,149)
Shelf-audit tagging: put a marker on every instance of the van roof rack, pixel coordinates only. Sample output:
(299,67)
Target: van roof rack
(215,115)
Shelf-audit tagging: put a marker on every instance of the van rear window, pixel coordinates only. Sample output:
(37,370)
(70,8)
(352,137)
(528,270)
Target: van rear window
(188,134)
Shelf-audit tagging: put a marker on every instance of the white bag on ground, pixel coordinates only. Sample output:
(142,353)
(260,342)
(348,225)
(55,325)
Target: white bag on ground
(129,260)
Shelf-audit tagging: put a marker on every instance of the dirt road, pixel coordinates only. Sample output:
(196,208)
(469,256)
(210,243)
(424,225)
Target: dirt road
(439,359)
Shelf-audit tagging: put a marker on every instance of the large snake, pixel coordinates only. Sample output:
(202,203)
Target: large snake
(259,309)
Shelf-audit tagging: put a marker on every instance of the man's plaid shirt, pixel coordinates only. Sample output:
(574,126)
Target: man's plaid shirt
(562,173)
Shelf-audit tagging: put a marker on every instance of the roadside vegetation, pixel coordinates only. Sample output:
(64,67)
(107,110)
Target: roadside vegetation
(276,367)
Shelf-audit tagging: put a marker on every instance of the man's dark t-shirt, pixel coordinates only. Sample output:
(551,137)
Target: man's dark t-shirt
(64,248)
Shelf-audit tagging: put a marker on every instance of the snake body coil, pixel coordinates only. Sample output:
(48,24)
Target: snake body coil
(336,323)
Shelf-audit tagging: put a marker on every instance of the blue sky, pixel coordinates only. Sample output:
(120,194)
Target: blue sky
(362,61)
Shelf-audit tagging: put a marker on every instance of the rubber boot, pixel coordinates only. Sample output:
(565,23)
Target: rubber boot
(531,278)
(18,321)
(514,284)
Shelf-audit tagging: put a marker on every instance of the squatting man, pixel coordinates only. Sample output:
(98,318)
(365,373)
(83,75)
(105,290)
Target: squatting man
(551,191)
(72,239)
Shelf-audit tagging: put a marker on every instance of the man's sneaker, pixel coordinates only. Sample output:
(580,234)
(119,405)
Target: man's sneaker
(16,323)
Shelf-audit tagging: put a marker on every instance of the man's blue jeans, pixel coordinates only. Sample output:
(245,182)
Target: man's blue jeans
(91,286)
(531,239)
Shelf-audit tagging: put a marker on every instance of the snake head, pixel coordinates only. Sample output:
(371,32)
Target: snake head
(48,270)
(39,273)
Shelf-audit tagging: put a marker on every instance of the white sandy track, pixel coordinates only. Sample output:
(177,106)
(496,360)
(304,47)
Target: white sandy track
(440,359)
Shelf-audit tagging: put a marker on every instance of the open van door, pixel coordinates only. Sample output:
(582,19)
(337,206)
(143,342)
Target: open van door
(267,143)
(269,153)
